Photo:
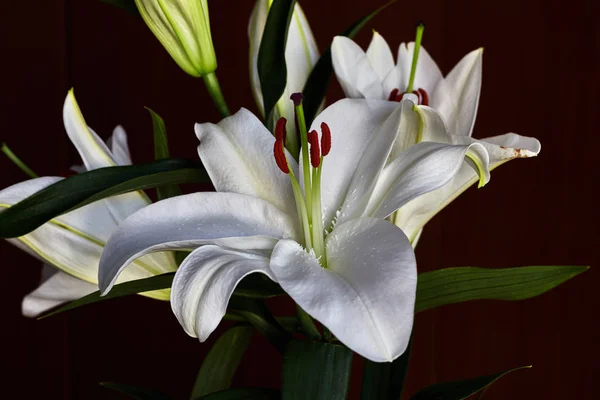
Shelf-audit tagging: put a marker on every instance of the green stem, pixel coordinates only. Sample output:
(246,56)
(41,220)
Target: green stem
(17,161)
(307,324)
(214,89)
(415,59)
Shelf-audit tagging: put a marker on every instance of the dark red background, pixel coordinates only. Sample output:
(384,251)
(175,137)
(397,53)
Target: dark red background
(541,62)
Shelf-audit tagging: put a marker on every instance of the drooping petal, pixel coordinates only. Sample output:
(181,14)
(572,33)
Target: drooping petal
(457,97)
(428,74)
(421,169)
(119,147)
(55,288)
(354,123)
(238,156)
(354,72)
(366,295)
(185,222)
(380,56)
(204,283)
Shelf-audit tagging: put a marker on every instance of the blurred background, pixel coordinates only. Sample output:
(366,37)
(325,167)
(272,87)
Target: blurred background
(541,79)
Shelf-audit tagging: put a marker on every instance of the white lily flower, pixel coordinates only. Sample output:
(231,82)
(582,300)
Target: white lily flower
(73,242)
(445,112)
(183,28)
(329,246)
(301,55)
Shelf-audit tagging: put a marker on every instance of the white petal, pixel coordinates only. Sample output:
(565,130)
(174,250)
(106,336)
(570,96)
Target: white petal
(55,288)
(420,169)
(354,72)
(380,56)
(353,123)
(457,97)
(189,221)
(428,74)
(238,156)
(119,147)
(205,282)
(366,294)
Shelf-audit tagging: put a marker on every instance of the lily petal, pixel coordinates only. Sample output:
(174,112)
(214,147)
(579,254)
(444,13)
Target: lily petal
(366,295)
(238,156)
(457,97)
(353,124)
(205,282)
(380,56)
(354,72)
(55,289)
(119,147)
(186,222)
(428,75)
(420,169)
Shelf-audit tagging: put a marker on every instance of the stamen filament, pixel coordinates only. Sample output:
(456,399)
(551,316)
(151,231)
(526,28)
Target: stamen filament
(302,211)
(317,223)
(17,161)
(415,59)
(297,99)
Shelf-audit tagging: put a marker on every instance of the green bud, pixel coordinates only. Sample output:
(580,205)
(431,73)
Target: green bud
(183,28)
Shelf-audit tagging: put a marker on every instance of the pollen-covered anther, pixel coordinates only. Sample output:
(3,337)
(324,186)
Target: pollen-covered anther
(315,152)
(279,153)
(325,139)
(280,131)
(393,94)
(424,97)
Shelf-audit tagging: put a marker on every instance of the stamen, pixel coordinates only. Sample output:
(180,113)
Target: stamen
(400,97)
(17,161)
(424,97)
(279,153)
(393,95)
(418,94)
(417,48)
(325,139)
(315,152)
(280,131)
(297,99)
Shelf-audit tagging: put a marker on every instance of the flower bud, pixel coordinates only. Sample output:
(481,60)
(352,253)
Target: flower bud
(301,54)
(183,28)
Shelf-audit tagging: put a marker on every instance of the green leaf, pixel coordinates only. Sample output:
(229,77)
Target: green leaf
(123,289)
(244,394)
(459,390)
(318,81)
(127,5)
(455,285)
(385,381)
(272,70)
(135,392)
(222,361)
(161,151)
(81,189)
(315,370)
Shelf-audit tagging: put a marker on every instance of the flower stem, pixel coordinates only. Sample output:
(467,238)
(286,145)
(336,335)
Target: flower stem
(214,89)
(415,59)
(17,161)
(307,324)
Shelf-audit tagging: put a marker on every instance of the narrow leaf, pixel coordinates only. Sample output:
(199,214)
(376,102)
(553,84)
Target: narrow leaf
(161,151)
(318,81)
(135,392)
(127,5)
(244,394)
(459,390)
(315,370)
(272,70)
(81,189)
(456,285)
(385,381)
(222,361)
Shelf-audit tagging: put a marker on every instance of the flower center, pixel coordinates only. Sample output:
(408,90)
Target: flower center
(308,203)
(422,96)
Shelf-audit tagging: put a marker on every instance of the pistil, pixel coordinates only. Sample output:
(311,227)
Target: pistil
(301,123)
(415,59)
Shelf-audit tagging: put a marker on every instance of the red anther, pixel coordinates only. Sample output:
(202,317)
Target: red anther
(418,94)
(393,95)
(399,97)
(278,151)
(315,152)
(325,139)
(297,98)
(280,129)
(424,97)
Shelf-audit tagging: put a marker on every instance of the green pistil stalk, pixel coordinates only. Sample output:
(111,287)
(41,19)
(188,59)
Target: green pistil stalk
(305,157)
(317,222)
(415,59)
(13,157)
(302,212)
(214,89)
